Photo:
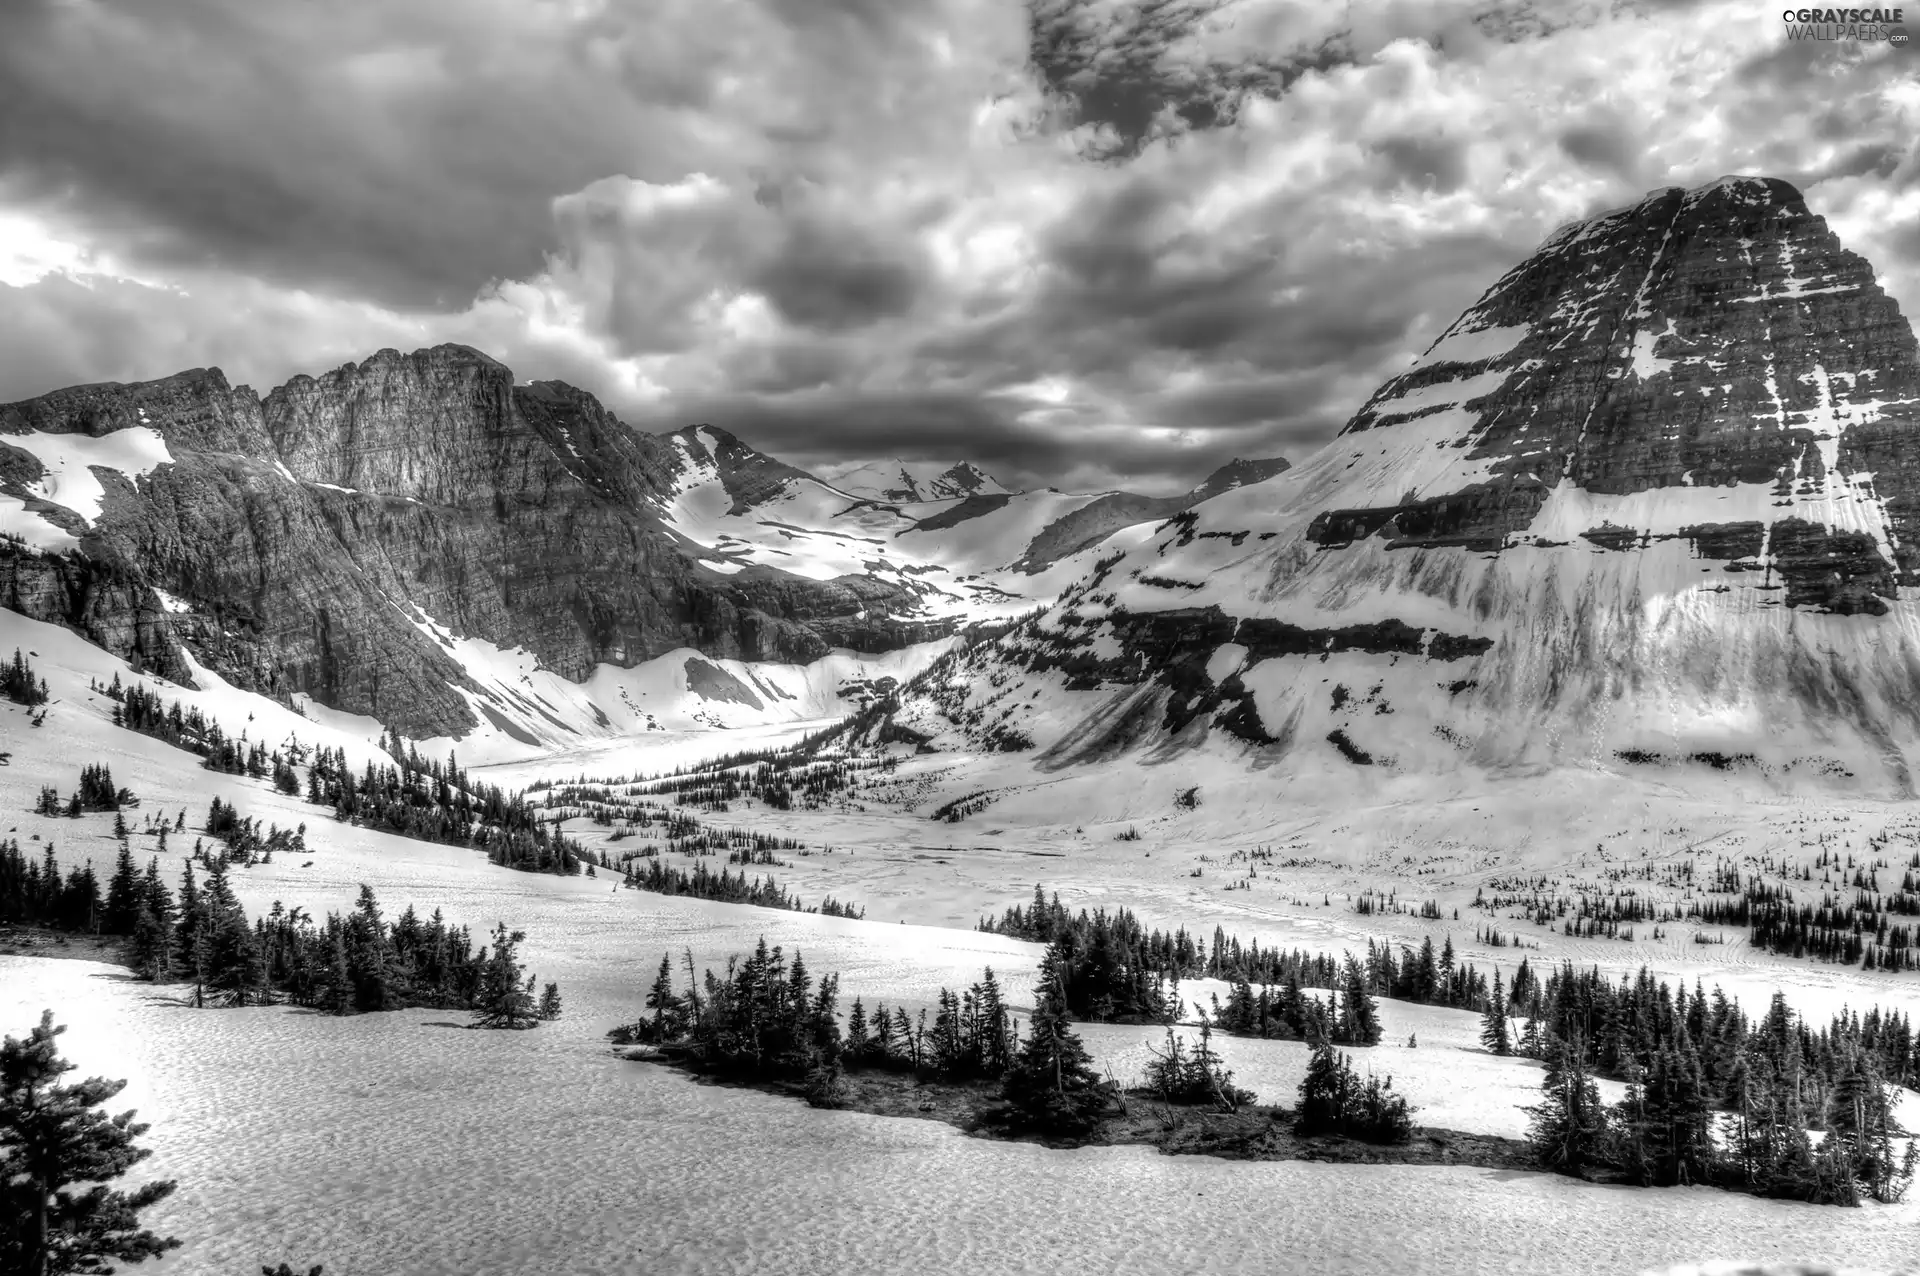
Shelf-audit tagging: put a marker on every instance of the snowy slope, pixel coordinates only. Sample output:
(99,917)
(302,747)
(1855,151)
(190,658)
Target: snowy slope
(526,709)
(68,481)
(395,1142)
(954,552)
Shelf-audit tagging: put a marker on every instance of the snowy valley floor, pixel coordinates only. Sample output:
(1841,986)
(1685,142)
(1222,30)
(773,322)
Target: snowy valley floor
(400,1143)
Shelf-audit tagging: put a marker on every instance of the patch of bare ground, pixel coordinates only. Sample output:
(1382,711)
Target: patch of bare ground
(32,941)
(1255,1132)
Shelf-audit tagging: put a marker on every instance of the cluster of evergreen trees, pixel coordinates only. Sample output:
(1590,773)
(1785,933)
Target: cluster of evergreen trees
(138,708)
(1335,1100)
(1175,955)
(247,841)
(34,892)
(428,801)
(1627,1023)
(1195,1075)
(802,776)
(1662,1132)
(727,887)
(1424,976)
(777,779)
(1351,1018)
(20,684)
(1694,1060)
(359,962)
(1848,931)
(96,792)
(767,1018)
(436,802)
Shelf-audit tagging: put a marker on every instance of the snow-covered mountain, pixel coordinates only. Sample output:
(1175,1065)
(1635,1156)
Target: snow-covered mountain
(419,540)
(914,481)
(1653,501)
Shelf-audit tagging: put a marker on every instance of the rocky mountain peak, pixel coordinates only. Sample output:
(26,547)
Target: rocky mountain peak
(750,477)
(1715,338)
(1238,473)
(1654,498)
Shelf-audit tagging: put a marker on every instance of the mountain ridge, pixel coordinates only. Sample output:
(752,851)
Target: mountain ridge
(342,536)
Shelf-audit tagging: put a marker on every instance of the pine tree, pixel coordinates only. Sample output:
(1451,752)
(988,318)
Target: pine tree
(123,896)
(336,994)
(550,1002)
(666,1007)
(1569,1123)
(52,1139)
(150,951)
(994,1045)
(859,1035)
(235,971)
(502,1001)
(1052,1085)
(1493,1024)
(1324,1094)
(1359,1019)
(369,956)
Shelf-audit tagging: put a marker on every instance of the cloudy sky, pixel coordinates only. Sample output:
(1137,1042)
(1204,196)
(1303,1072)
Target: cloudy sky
(1084,242)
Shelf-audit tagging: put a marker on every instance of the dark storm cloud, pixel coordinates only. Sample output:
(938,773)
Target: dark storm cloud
(230,129)
(1609,145)
(1904,242)
(826,276)
(1431,163)
(405,153)
(1265,407)
(1111,67)
(818,431)
(1129,275)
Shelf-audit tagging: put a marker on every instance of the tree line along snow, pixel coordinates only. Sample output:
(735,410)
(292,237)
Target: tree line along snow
(768,1018)
(1848,914)
(431,801)
(728,887)
(201,936)
(412,797)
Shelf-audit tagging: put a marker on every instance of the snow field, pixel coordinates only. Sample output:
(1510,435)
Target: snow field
(394,1143)
(68,479)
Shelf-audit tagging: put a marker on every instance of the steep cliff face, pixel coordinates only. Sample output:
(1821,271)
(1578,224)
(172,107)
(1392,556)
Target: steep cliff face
(302,541)
(1652,499)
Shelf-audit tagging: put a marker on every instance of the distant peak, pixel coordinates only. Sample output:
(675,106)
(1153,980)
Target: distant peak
(912,482)
(1240,472)
(1759,190)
